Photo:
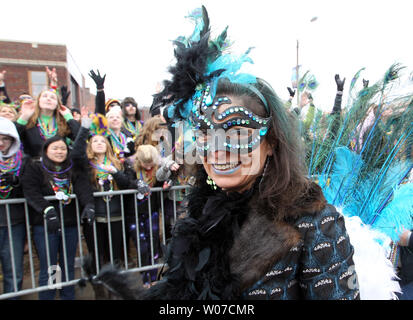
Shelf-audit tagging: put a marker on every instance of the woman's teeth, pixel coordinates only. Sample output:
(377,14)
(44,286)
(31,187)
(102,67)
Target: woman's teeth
(225,166)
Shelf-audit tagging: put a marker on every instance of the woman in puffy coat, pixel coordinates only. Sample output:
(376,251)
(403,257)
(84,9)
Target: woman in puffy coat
(56,175)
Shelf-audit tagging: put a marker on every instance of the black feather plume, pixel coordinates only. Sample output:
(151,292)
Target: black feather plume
(192,60)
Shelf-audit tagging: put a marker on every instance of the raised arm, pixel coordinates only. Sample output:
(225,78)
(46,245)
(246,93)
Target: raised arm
(100,93)
(78,153)
(64,95)
(52,77)
(339,94)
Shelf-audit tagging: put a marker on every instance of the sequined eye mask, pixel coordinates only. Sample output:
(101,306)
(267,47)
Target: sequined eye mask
(239,130)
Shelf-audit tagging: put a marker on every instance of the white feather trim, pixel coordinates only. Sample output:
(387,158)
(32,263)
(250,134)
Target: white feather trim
(376,275)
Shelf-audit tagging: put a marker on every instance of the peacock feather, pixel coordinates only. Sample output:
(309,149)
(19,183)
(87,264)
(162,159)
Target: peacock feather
(363,163)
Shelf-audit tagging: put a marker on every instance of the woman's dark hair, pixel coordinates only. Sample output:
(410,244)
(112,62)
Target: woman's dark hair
(49,166)
(130,100)
(285,181)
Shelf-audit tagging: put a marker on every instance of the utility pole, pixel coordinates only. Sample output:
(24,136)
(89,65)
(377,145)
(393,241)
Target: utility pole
(296,69)
(296,72)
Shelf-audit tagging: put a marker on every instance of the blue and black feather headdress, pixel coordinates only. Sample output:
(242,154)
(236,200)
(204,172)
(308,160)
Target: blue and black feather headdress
(200,63)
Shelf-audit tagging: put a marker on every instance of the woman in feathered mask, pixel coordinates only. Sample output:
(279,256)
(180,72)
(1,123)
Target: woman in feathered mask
(255,226)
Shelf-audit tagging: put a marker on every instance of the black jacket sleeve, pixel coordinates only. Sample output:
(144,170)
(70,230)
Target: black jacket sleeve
(78,152)
(337,103)
(122,179)
(30,180)
(21,130)
(74,128)
(100,102)
(335,113)
(82,188)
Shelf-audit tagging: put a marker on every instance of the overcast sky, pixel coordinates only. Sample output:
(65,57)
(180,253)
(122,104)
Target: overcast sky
(130,40)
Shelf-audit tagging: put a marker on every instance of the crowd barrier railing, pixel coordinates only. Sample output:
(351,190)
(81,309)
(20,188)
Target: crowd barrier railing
(127,219)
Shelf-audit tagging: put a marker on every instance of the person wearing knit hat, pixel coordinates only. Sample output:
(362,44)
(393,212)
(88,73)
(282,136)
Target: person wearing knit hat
(132,123)
(111,103)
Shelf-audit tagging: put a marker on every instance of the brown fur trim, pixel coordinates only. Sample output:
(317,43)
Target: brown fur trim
(311,202)
(260,244)
(268,235)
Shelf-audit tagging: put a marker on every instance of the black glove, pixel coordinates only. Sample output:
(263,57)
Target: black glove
(9,179)
(143,189)
(52,220)
(365,83)
(98,79)
(65,94)
(340,83)
(291,91)
(88,214)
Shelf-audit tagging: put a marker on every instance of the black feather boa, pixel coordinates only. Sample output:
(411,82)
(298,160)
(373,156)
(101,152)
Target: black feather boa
(198,254)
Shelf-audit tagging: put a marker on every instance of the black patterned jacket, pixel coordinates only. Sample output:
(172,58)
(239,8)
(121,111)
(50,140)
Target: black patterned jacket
(311,258)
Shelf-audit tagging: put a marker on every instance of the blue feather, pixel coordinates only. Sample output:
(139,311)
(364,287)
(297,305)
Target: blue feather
(398,213)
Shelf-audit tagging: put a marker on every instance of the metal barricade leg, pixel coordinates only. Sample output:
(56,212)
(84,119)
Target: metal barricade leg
(68,252)
(29,242)
(137,232)
(124,234)
(79,235)
(47,248)
(109,231)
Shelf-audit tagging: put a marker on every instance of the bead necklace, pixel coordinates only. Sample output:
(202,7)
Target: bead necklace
(147,176)
(47,130)
(62,187)
(132,128)
(128,125)
(11,165)
(57,172)
(119,144)
(103,176)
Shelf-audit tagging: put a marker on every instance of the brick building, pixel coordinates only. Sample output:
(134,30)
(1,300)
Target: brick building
(25,63)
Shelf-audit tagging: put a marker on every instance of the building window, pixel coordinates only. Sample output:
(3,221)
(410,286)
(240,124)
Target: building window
(38,82)
(74,89)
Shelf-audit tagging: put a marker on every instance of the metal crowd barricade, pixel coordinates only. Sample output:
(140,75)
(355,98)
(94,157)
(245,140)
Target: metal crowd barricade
(58,285)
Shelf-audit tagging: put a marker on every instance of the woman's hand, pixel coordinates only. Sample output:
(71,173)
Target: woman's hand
(52,75)
(174,167)
(27,109)
(64,110)
(85,121)
(98,79)
(339,83)
(84,112)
